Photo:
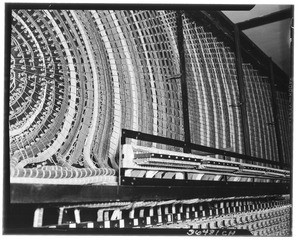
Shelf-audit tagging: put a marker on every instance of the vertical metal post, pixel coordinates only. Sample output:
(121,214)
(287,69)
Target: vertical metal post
(291,94)
(122,142)
(185,106)
(241,87)
(275,112)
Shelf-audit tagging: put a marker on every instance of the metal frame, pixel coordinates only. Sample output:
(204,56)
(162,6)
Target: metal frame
(65,216)
(239,50)
(53,195)
(184,91)
(245,48)
(28,195)
(242,94)
(266,19)
(179,143)
(223,28)
(275,112)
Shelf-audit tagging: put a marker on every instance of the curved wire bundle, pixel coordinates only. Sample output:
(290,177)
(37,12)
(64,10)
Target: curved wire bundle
(78,77)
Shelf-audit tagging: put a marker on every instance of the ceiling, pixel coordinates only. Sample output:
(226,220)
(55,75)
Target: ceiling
(273,38)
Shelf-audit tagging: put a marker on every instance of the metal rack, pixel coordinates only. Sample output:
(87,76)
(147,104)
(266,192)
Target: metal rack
(26,196)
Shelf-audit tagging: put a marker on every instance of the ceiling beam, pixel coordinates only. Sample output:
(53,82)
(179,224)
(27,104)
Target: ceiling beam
(269,18)
(132,6)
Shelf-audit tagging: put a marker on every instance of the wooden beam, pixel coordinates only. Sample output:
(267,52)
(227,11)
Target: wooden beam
(267,19)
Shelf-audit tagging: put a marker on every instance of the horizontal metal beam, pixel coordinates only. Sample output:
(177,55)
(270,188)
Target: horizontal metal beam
(178,143)
(118,6)
(267,19)
(157,182)
(53,195)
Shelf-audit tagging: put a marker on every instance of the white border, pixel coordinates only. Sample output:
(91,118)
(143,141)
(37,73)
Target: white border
(296,158)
